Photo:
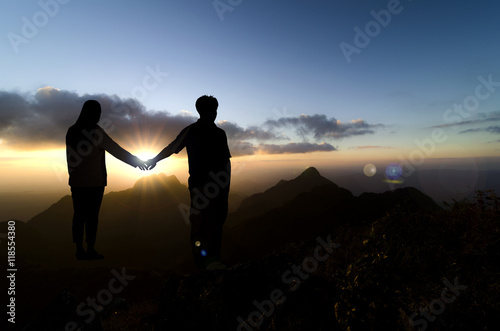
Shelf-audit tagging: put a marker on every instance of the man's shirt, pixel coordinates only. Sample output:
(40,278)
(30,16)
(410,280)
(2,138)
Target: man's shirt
(207,150)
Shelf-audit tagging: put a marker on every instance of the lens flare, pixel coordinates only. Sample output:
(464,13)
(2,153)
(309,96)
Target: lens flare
(203,252)
(370,170)
(197,243)
(393,171)
(393,181)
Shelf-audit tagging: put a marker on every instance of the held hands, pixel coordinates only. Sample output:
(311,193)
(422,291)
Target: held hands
(143,165)
(138,163)
(150,164)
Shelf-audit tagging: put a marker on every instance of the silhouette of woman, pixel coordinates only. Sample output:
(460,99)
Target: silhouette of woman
(86,143)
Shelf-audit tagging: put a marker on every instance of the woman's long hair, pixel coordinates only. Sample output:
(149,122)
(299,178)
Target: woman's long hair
(87,121)
(90,114)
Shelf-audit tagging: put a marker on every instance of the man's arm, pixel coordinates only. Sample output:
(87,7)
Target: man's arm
(166,152)
(174,147)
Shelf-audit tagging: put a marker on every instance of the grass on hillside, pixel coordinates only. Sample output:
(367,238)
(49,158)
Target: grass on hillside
(435,270)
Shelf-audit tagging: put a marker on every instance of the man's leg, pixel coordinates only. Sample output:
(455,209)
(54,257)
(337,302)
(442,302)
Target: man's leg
(214,223)
(206,228)
(198,244)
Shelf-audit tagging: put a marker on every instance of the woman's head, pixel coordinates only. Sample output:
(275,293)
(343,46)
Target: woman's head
(90,114)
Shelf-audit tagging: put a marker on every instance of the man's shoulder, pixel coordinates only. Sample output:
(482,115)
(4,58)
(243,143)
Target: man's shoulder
(200,128)
(221,131)
(187,129)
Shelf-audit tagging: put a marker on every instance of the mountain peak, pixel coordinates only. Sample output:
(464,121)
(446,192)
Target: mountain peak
(311,178)
(283,192)
(156,180)
(310,172)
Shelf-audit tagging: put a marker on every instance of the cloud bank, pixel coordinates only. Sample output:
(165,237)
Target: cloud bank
(321,127)
(482,118)
(495,129)
(41,120)
(370,147)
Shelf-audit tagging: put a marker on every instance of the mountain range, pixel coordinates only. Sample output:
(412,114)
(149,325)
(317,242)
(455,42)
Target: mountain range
(394,253)
(146,225)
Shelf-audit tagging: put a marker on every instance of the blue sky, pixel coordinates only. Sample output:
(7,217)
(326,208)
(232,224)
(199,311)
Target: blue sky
(268,60)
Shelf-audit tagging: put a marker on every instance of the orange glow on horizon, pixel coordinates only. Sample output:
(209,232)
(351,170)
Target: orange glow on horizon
(46,169)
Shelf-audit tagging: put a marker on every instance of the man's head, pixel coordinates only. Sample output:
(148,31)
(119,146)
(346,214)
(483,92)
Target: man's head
(207,107)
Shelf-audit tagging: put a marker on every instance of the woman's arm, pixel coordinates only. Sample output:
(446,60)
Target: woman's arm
(121,154)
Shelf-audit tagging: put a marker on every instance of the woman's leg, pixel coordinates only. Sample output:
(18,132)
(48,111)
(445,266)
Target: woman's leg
(95,195)
(86,206)
(79,217)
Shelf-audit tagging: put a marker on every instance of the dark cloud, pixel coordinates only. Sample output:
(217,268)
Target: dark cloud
(491,129)
(482,118)
(494,115)
(241,148)
(291,148)
(18,107)
(370,147)
(41,120)
(234,131)
(321,127)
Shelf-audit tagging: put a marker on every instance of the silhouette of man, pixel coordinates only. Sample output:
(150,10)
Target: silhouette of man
(209,181)
(86,143)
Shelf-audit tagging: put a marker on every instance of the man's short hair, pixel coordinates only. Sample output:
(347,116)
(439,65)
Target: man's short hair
(206,105)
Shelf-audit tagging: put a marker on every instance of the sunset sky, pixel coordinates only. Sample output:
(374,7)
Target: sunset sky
(300,83)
